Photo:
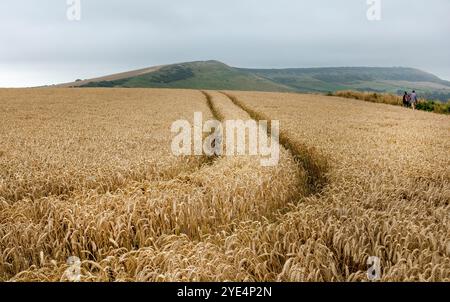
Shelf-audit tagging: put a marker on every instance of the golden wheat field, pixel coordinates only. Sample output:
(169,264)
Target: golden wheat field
(89,173)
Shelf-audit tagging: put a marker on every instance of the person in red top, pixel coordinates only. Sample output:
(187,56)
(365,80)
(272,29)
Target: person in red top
(406,99)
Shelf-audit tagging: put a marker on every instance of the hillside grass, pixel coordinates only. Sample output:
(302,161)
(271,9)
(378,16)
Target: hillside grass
(215,75)
(211,75)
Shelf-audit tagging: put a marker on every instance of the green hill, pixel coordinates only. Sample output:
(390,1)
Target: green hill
(197,75)
(354,78)
(217,75)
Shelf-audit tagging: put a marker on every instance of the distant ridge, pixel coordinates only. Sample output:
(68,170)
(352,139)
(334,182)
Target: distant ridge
(217,75)
(113,77)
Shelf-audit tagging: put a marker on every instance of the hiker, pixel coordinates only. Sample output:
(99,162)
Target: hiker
(406,99)
(413,99)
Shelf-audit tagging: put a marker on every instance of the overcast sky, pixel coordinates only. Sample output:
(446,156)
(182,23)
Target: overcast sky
(39,45)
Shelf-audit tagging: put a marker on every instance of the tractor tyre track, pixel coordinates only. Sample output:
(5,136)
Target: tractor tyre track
(314,163)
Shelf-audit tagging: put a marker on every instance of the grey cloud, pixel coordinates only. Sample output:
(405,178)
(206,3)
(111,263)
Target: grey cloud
(118,35)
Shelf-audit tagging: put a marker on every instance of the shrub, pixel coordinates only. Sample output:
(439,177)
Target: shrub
(392,99)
